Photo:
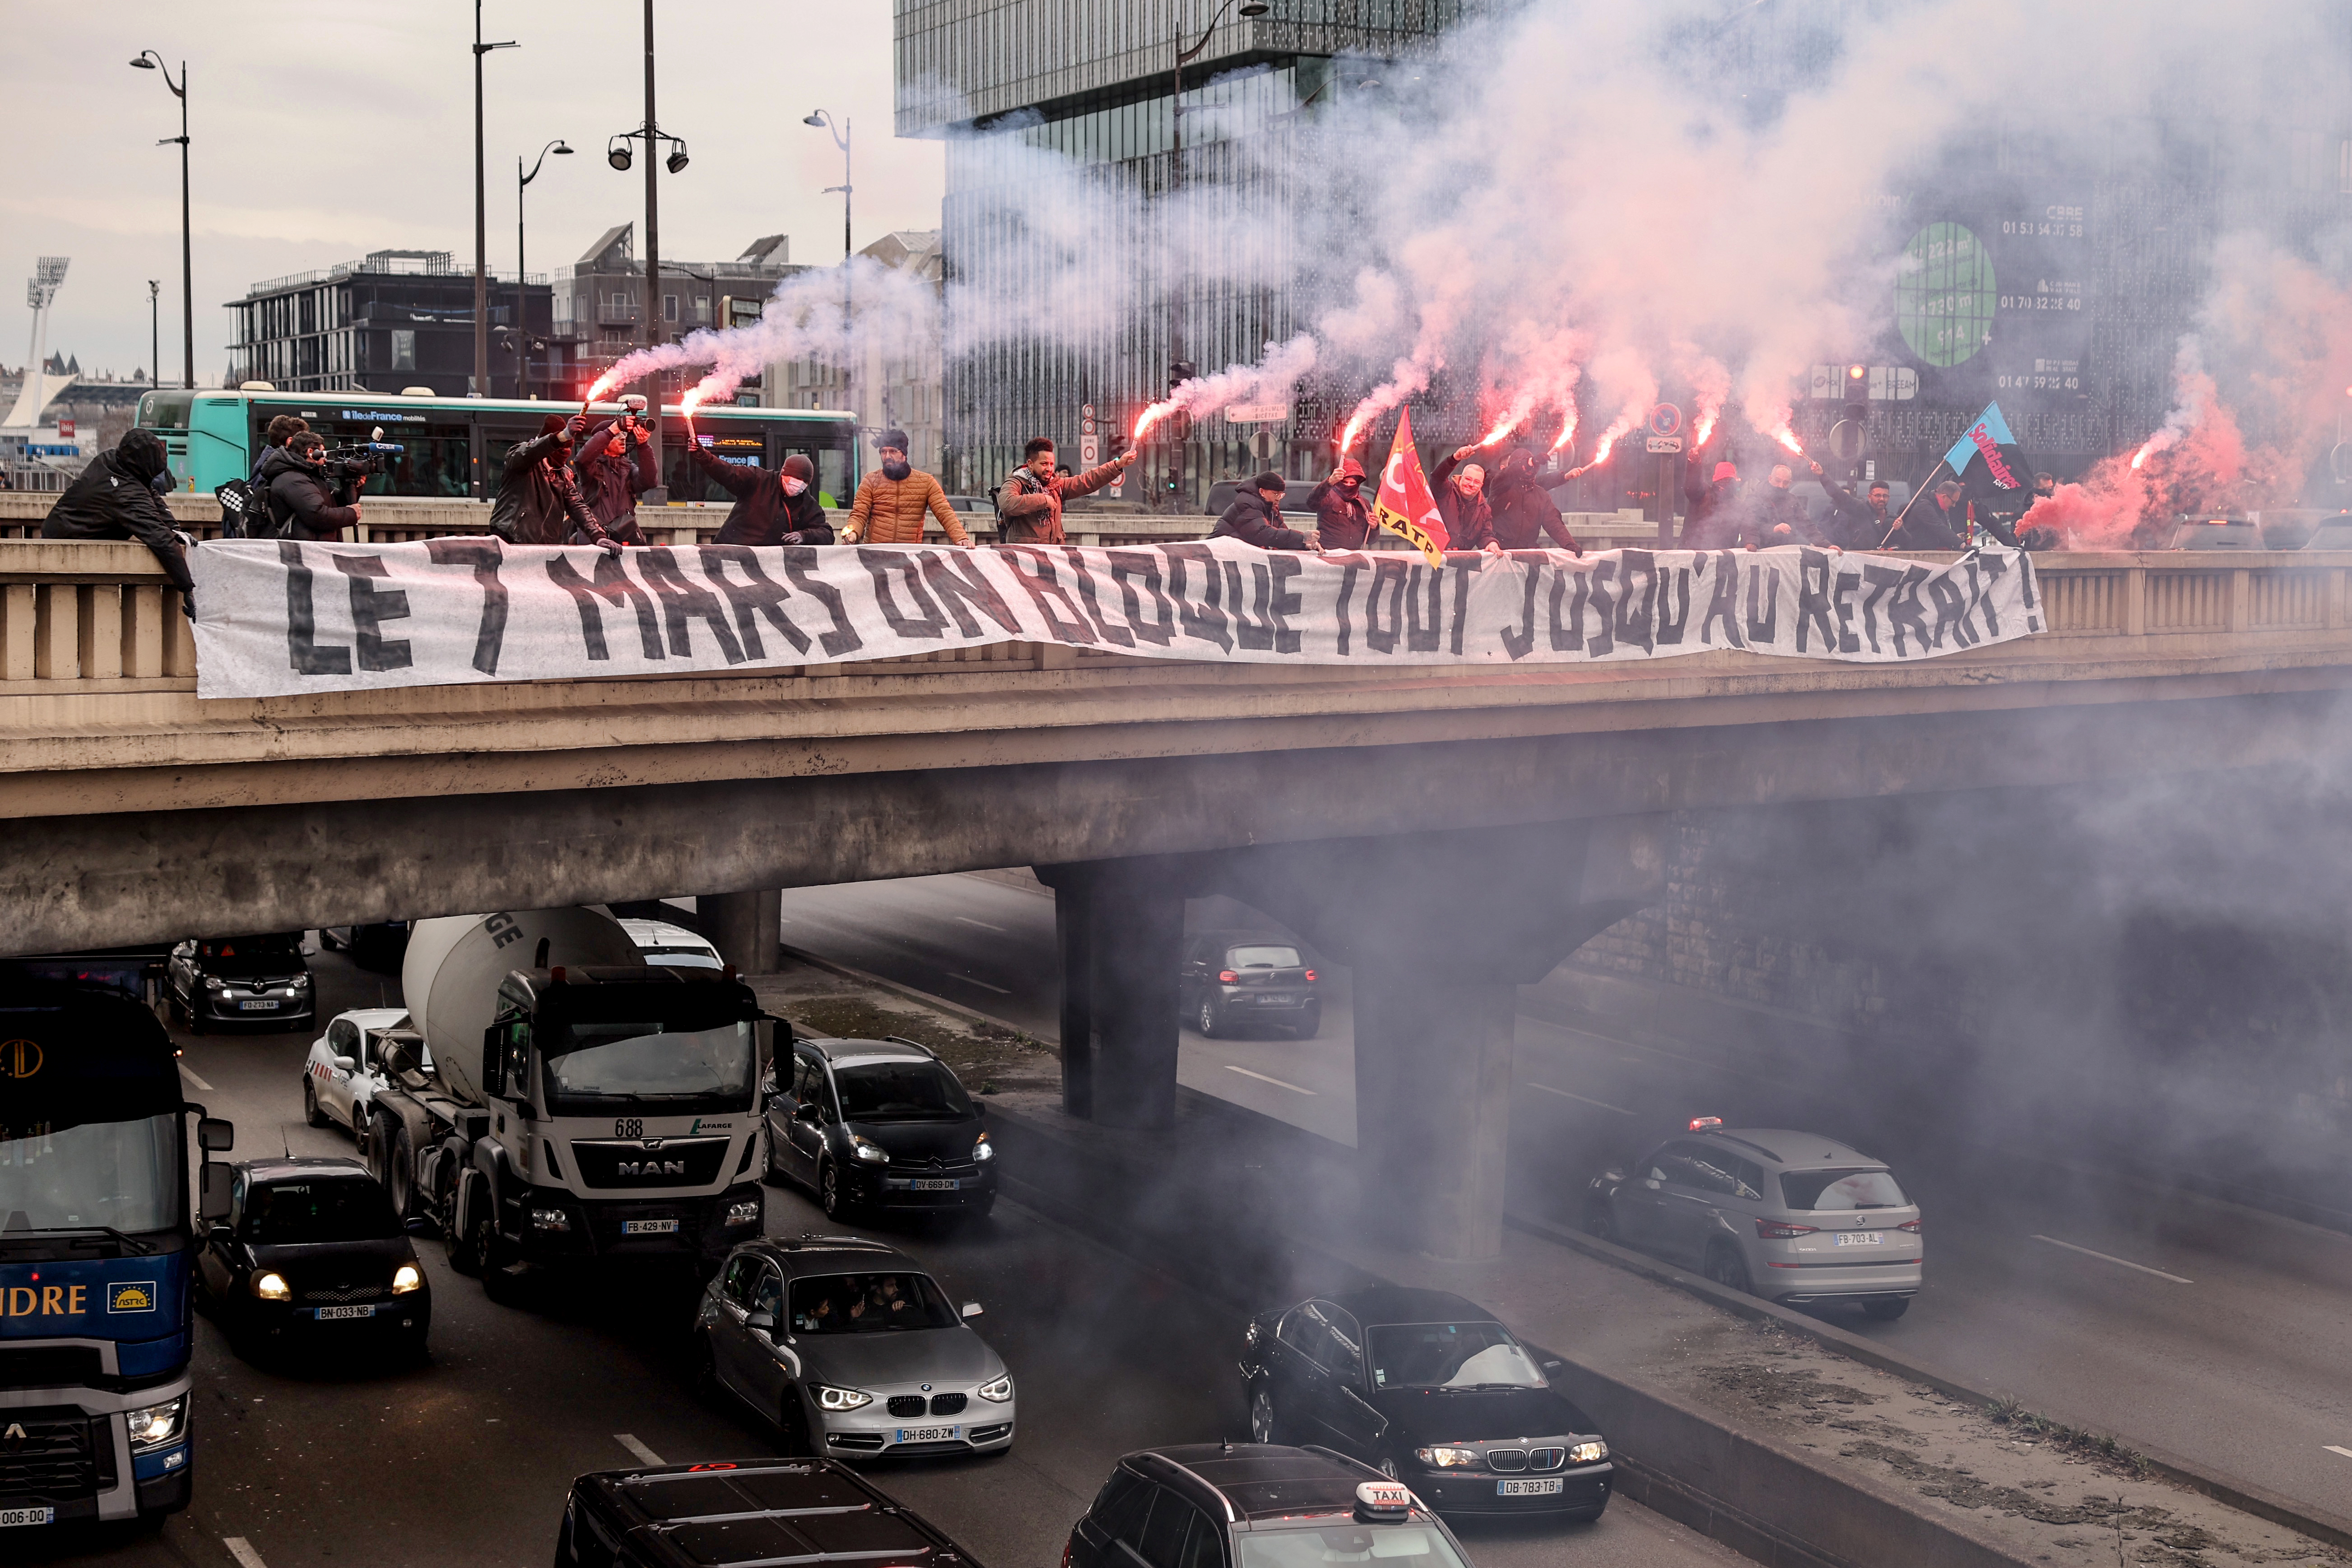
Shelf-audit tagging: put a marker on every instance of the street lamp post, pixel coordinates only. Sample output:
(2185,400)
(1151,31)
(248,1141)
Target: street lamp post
(617,154)
(1184,56)
(822,118)
(155,331)
(522,318)
(481,229)
(149,60)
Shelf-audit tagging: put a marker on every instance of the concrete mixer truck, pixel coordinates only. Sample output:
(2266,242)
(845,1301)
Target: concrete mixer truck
(579,1104)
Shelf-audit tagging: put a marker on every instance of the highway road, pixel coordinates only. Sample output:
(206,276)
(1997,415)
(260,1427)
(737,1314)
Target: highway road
(465,1463)
(2191,1325)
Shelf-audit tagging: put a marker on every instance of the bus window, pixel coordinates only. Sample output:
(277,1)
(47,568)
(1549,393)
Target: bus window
(828,448)
(437,458)
(502,434)
(165,410)
(733,441)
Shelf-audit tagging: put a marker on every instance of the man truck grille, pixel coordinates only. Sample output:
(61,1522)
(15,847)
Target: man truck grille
(628,1163)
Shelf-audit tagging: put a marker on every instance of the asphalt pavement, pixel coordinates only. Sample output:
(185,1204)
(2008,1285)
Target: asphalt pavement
(332,1459)
(2193,1325)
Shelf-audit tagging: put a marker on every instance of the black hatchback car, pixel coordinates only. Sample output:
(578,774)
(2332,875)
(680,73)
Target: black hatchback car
(1428,1388)
(311,1252)
(1249,1505)
(874,1125)
(1233,982)
(723,1514)
(263,979)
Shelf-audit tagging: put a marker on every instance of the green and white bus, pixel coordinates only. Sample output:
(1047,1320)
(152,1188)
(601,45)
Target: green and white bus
(455,447)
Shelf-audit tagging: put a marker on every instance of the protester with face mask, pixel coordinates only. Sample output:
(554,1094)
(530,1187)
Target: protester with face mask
(773,506)
(1525,515)
(1029,508)
(1781,515)
(615,465)
(117,497)
(893,500)
(539,502)
(1715,519)
(1461,502)
(1343,518)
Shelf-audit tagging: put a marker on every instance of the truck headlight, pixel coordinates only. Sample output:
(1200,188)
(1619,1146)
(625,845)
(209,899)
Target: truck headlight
(996,1392)
(745,1213)
(872,1154)
(984,1149)
(158,1426)
(1588,1453)
(550,1219)
(406,1279)
(1447,1458)
(272,1286)
(830,1399)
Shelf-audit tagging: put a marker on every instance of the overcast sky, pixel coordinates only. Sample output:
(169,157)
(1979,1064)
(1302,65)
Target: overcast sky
(321,133)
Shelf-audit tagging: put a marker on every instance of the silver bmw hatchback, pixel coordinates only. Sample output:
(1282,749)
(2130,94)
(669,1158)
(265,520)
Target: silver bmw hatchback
(1794,1217)
(853,1352)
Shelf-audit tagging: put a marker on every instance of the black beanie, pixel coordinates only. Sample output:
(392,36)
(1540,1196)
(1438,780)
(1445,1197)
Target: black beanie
(1270,480)
(893,439)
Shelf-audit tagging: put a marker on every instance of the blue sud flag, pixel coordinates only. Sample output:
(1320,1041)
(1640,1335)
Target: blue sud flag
(1988,439)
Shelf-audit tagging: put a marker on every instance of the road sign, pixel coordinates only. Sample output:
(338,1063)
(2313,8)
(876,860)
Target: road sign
(1845,441)
(1090,448)
(1666,419)
(1666,443)
(1086,426)
(1087,410)
(1256,413)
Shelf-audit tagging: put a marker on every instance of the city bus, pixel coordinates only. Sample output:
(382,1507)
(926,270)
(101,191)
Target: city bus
(453,447)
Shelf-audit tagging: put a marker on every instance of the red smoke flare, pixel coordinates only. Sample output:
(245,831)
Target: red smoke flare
(1354,429)
(1150,417)
(1511,420)
(1567,431)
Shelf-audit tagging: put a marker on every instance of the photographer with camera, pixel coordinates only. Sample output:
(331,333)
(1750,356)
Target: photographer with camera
(615,465)
(303,494)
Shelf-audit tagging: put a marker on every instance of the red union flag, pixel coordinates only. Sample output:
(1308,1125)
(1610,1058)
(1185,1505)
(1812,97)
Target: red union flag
(1404,505)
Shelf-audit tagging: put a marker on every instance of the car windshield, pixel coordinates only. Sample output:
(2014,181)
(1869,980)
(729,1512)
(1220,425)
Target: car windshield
(1262,957)
(1400,1545)
(118,1174)
(317,1208)
(901,1091)
(1449,1355)
(1842,1190)
(681,957)
(249,955)
(868,1304)
(646,1060)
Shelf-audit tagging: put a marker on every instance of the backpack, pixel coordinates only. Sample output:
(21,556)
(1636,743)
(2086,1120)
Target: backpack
(245,512)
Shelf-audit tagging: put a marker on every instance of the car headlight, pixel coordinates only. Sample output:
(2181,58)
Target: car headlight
(984,1149)
(830,1399)
(158,1426)
(996,1392)
(301,982)
(406,1279)
(1588,1453)
(745,1213)
(272,1286)
(1447,1458)
(550,1219)
(872,1154)
(214,983)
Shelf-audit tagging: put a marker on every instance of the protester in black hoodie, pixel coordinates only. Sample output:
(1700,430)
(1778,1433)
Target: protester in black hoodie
(1255,517)
(614,463)
(116,498)
(538,500)
(300,494)
(1343,518)
(773,506)
(1523,512)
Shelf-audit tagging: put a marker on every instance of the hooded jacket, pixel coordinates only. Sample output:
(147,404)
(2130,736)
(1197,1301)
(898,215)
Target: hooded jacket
(302,500)
(1343,521)
(891,511)
(612,485)
(538,500)
(114,499)
(764,514)
(1030,511)
(1715,518)
(1254,519)
(1523,510)
(1469,524)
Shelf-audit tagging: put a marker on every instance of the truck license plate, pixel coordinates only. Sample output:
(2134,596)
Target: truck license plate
(649,1228)
(928,1434)
(1857,1238)
(262,1007)
(10,1516)
(329,1314)
(1547,1488)
(935,1183)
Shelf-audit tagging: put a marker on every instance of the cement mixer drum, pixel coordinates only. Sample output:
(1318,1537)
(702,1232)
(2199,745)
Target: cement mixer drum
(455,962)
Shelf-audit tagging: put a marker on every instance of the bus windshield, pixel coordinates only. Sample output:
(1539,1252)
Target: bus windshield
(123,1174)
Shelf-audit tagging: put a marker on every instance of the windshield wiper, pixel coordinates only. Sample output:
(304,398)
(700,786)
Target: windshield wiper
(130,1244)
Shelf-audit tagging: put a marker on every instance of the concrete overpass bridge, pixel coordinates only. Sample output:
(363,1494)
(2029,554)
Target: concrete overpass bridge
(1451,834)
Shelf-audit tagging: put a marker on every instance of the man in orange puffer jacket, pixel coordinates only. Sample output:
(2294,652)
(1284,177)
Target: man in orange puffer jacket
(893,499)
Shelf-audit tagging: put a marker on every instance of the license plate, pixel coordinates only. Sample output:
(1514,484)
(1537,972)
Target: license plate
(1547,1488)
(263,1006)
(328,1314)
(649,1228)
(928,1434)
(10,1516)
(1858,1237)
(1279,999)
(935,1183)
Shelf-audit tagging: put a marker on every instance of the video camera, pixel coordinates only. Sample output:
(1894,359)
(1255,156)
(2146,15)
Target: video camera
(348,467)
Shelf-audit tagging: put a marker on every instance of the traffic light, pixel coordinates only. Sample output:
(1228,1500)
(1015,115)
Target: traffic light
(1117,444)
(1179,372)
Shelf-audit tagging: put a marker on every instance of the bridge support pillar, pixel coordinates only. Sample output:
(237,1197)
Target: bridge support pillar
(746,928)
(1434,1105)
(1121,928)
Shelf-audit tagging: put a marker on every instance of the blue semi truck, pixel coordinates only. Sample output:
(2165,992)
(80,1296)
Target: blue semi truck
(96,1241)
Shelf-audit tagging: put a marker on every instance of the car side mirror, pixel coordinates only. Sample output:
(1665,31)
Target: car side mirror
(216,1135)
(763,1321)
(344,1064)
(1614,1174)
(808,1112)
(212,1199)
(972,1308)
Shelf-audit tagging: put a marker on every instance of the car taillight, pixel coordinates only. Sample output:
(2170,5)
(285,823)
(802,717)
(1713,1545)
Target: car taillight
(1910,1225)
(1775,1230)
(1066,1545)
(1227,977)
(1310,977)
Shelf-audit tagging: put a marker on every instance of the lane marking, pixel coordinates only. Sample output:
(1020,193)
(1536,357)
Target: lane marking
(644,1455)
(1263,1079)
(242,1550)
(983,984)
(1580,1099)
(2334,1450)
(190,1074)
(2107,1257)
(982,924)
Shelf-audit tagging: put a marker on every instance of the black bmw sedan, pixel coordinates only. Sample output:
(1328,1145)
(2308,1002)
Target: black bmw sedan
(1430,1389)
(312,1253)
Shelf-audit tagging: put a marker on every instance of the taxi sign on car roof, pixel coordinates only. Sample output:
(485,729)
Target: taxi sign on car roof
(1706,1123)
(1377,1498)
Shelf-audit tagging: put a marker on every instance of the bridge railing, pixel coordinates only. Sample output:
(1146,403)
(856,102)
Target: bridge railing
(100,616)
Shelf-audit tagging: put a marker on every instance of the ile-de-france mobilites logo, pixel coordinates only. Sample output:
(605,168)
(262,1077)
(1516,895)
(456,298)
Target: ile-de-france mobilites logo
(19,1058)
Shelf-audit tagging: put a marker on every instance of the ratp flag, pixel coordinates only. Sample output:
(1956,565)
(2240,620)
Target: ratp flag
(1985,437)
(1404,505)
